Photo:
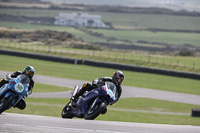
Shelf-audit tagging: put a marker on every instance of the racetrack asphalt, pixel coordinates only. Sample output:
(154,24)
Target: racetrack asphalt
(128,91)
(23,123)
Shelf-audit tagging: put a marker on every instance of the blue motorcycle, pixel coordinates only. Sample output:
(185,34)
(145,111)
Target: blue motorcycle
(12,92)
(91,104)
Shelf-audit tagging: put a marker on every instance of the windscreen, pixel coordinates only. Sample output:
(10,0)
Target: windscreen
(111,86)
(24,79)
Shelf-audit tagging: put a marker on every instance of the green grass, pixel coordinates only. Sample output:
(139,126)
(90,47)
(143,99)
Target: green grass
(149,118)
(49,88)
(53,107)
(88,73)
(129,21)
(164,37)
(153,105)
(41,108)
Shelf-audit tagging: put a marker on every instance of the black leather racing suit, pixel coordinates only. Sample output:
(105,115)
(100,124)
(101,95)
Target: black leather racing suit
(98,82)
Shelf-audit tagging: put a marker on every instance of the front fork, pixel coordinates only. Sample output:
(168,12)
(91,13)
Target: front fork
(75,91)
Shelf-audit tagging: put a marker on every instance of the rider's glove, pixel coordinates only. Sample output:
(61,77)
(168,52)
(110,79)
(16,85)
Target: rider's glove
(8,77)
(29,92)
(95,83)
(101,83)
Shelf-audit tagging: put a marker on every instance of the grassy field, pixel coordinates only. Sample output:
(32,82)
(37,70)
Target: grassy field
(88,73)
(164,37)
(125,21)
(53,107)
(128,21)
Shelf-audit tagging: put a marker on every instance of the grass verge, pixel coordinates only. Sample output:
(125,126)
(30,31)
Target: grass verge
(53,107)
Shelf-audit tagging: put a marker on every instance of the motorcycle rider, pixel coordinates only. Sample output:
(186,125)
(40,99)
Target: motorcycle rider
(117,79)
(28,71)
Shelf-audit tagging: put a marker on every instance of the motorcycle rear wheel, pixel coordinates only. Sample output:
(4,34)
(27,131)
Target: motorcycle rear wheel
(66,112)
(6,103)
(91,115)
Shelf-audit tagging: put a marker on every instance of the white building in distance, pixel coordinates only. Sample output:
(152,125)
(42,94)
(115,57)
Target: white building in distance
(79,19)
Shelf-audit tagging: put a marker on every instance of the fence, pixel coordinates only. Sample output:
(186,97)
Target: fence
(125,57)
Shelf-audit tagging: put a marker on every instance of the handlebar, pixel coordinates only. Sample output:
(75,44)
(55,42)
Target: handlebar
(8,77)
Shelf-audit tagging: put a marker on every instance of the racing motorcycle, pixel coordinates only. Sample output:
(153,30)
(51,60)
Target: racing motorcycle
(91,104)
(12,92)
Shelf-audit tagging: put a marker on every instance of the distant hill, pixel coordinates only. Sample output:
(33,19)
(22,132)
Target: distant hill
(190,5)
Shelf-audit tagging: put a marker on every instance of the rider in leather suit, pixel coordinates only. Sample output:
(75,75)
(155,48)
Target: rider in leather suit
(29,71)
(117,79)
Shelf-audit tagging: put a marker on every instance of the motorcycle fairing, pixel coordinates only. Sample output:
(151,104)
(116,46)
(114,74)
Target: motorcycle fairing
(15,88)
(83,103)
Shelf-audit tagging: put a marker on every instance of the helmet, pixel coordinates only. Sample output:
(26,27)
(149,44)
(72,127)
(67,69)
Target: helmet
(118,77)
(29,71)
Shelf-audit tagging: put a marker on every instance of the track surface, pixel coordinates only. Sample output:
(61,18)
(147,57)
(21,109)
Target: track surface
(18,123)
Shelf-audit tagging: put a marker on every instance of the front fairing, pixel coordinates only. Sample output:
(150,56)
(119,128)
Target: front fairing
(111,90)
(83,102)
(18,87)
(15,88)
(108,91)
(3,89)
(6,91)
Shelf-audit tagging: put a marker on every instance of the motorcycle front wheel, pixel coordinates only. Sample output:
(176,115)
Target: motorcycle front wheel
(66,112)
(5,103)
(92,113)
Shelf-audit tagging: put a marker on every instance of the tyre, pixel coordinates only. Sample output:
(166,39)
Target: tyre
(91,114)
(196,112)
(6,103)
(66,112)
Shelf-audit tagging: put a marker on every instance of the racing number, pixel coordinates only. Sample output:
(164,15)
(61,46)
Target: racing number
(19,87)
